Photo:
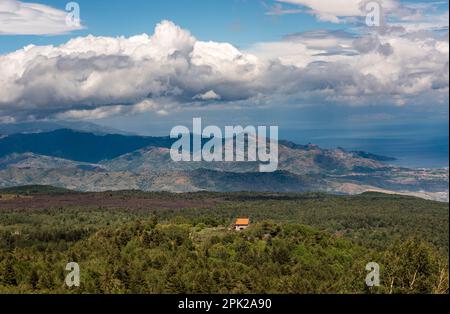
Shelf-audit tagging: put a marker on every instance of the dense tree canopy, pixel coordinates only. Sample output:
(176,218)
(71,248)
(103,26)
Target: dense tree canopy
(301,244)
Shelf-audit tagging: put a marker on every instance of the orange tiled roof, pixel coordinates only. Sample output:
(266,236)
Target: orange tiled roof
(242,221)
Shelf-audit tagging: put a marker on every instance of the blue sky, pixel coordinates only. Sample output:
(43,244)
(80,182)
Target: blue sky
(241,22)
(308,66)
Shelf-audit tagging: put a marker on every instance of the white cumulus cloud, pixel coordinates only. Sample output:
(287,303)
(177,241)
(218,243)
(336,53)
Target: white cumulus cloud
(209,95)
(95,77)
(334,10)
(26,18)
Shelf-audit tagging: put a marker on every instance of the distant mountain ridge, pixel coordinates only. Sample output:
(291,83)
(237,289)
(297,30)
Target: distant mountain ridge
(92,148)
(49,126)
(88,162)
(30,160)
(76,145)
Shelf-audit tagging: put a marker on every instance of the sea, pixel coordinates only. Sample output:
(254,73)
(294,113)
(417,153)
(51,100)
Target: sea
(412,146)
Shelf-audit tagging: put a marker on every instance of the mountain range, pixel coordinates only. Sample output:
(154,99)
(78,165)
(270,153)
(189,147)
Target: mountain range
(96,161)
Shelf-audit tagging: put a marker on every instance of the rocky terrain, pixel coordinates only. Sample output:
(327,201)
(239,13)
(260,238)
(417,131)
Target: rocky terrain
(302,168)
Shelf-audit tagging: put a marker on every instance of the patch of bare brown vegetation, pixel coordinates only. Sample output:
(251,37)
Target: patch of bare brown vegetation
(103,200)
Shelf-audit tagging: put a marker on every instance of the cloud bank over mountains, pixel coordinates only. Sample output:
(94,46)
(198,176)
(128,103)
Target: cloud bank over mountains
(96,77)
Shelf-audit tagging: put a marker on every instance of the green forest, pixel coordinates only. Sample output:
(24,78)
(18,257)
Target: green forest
(296,243)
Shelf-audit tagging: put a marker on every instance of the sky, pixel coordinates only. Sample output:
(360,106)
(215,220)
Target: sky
(314,68)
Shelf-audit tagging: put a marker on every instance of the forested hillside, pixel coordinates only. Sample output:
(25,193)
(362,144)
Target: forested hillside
(135,242)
